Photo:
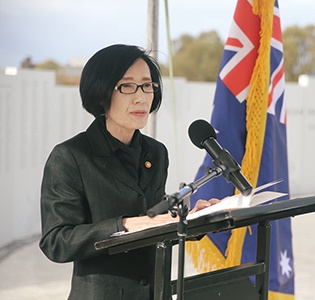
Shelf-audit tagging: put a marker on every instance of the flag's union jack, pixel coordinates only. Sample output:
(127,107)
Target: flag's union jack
(241,52)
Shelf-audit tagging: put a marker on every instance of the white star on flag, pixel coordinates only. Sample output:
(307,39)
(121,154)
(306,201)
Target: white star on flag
(284,263)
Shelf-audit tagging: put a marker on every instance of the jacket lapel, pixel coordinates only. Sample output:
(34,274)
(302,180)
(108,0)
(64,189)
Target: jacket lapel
(148,164)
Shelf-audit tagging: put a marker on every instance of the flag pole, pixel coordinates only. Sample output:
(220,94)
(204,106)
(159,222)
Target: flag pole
(152,44)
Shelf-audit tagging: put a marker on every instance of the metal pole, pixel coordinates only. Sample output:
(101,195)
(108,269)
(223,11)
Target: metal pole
(152,44)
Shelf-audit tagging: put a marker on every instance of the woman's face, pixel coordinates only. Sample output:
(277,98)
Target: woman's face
(129,112)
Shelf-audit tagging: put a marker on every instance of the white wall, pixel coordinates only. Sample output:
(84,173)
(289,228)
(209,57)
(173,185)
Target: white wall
(301,137)
(193,101)
(36,114)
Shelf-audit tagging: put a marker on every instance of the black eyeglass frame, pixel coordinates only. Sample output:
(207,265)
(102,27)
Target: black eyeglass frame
(155,86)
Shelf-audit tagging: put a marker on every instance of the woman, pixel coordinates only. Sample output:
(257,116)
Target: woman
(104,180)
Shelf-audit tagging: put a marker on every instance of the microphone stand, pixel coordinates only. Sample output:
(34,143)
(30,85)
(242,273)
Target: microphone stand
(173,203)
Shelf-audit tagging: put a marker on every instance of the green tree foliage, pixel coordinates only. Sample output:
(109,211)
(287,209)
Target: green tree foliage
(48,65)
(197,59)
(299,51)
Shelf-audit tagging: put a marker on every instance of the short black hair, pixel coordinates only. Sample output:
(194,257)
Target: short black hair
(105,68)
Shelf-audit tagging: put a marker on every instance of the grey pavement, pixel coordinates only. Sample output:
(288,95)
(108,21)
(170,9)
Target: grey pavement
(26,274)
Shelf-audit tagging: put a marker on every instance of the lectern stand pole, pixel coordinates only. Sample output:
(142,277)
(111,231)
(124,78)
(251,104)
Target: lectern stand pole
(162,279)
(263,255)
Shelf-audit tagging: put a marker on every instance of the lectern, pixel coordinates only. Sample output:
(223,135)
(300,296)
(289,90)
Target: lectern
(229,283)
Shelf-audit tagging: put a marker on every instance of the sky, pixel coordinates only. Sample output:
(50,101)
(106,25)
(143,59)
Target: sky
(63,30)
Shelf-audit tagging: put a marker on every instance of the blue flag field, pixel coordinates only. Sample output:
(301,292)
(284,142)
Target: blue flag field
(249,116)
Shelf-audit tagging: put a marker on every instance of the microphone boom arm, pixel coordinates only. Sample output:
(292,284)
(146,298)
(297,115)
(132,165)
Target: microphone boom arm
(170,201)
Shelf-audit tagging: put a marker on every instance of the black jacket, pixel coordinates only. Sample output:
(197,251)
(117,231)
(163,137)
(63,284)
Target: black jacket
(85,192)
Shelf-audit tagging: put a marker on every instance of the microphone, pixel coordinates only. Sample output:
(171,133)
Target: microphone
(203,136)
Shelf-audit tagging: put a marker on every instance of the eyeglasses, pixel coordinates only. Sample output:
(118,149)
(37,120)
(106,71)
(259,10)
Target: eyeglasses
(132,88)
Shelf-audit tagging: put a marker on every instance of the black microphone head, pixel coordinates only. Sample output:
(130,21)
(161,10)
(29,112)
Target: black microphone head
(199,131)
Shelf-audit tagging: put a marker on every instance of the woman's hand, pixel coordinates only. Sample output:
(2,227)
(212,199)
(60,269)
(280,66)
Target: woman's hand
(143,222)
(201,204)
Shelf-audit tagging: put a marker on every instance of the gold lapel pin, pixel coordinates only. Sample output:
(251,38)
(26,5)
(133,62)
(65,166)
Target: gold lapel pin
(148,164)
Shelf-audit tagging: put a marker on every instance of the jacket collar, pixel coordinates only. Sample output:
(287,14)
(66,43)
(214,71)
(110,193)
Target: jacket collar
(97,139)
(101,148)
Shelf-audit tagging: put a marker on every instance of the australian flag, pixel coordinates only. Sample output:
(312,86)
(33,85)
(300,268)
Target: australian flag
(230,119)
